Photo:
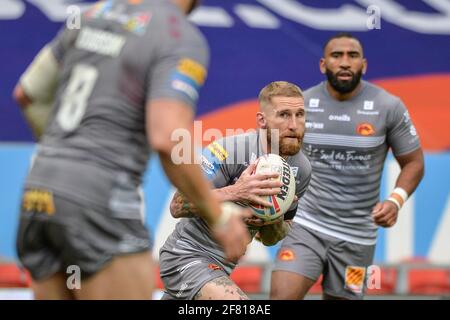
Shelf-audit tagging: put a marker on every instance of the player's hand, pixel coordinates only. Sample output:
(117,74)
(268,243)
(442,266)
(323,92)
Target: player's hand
(385,214)
(233,234)
(250,187)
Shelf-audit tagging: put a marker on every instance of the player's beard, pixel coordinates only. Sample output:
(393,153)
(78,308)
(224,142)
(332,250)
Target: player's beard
(287,147)
(346,86)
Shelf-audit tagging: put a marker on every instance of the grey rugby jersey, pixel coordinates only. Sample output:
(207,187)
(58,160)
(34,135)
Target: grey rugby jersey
(223,163)
(347,143)
(124,56)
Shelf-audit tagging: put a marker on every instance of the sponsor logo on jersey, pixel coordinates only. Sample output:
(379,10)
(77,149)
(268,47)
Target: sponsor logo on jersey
(314,103)
(314,125)
(365,129)
(368,113)
(193,70)
(342,117)
(207,166)
(218,151)
(286,255)
(354,278)
(214,267)
(40,201)
(295,171)
(314,110)
(99,9)
(136,22)
(188,78)
(368,105)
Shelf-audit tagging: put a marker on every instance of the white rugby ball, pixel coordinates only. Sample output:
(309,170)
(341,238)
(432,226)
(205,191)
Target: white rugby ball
(272,163)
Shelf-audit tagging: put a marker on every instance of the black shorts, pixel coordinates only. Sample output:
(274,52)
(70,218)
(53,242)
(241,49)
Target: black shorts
(55,233)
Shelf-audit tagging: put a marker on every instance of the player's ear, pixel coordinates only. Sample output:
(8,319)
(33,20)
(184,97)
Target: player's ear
(261,120)
(322,66)
(364,69)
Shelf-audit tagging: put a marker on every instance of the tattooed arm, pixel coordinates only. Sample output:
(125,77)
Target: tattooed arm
(180,207)
(247,189)
(222,288)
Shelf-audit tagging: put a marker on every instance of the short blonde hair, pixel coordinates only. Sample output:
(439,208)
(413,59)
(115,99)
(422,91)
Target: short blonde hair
(278,89)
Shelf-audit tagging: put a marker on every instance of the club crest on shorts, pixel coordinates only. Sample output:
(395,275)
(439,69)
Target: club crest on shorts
(354,278)
(40,201)
(286,255)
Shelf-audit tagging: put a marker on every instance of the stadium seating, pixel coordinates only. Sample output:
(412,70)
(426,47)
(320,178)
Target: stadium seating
(422,279)
(11,276)
(249,278)
(435,281)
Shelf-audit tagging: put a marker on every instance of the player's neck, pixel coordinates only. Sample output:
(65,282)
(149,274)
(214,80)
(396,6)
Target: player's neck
(343,96)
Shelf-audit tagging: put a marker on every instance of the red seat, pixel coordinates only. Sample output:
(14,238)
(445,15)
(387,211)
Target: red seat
(429,281)
(11,276)
(248,278)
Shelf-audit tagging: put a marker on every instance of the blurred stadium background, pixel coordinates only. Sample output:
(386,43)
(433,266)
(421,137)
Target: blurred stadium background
(254,42)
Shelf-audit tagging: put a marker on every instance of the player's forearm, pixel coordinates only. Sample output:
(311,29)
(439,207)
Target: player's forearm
(272,233)
(181,207)
(191,183)
(165,117)
(411,174)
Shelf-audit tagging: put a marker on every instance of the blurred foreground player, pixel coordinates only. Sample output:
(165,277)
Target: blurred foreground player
(351,126)
(124,82)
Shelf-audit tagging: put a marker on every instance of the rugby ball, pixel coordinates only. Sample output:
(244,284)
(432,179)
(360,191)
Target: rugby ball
(281,202)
